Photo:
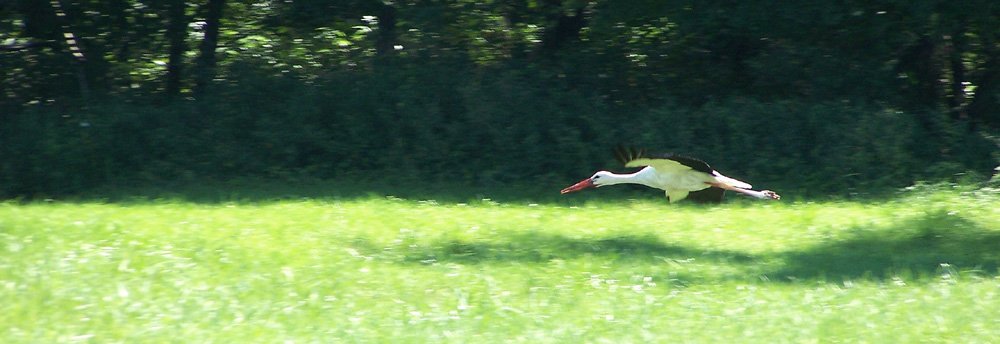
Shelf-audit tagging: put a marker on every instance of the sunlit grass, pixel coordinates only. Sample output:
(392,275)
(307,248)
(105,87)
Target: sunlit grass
(922,268)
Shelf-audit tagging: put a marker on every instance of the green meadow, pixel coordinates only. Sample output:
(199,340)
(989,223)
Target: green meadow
(920,267)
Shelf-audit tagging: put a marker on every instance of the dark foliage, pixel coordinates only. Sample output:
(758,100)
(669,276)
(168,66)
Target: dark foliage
(811,98)
(451,125)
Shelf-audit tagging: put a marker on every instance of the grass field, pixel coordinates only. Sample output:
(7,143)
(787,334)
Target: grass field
(920,268)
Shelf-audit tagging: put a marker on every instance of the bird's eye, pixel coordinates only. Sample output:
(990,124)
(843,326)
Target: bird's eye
(595,177)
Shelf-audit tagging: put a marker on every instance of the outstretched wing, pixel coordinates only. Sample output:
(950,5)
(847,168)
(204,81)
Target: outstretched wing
(633,157)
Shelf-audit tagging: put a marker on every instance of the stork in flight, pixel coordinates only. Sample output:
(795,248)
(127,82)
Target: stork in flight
(682,177)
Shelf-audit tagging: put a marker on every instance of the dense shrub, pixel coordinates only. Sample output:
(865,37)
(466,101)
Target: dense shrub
(498,127)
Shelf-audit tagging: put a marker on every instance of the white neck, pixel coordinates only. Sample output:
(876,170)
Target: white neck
(642,177)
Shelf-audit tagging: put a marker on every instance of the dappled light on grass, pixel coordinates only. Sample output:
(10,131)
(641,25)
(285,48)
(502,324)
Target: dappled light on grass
(410,271)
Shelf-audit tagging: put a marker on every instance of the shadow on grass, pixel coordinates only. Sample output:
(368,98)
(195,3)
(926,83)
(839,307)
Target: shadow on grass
(924,246)
(936,243)
(535,247)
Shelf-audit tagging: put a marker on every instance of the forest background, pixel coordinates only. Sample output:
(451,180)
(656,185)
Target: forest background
(815,98)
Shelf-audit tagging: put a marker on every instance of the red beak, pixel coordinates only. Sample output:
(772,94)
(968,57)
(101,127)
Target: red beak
(586,183)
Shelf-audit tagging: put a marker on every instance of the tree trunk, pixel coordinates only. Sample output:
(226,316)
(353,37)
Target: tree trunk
(120,41)
(923,84)
(386,37)
(513,14)
(77,59)
(983,107)
(567,28)
(176,31)
(956,98)
(206,59)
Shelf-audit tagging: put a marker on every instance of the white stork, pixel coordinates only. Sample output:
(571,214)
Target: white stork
(682,177)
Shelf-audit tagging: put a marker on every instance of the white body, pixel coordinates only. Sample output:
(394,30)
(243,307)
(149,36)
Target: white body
(677,182)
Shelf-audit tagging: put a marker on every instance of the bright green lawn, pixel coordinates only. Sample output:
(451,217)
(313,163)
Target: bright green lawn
(382,270)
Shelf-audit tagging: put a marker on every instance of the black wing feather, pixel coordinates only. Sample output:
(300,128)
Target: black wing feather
(624,155)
